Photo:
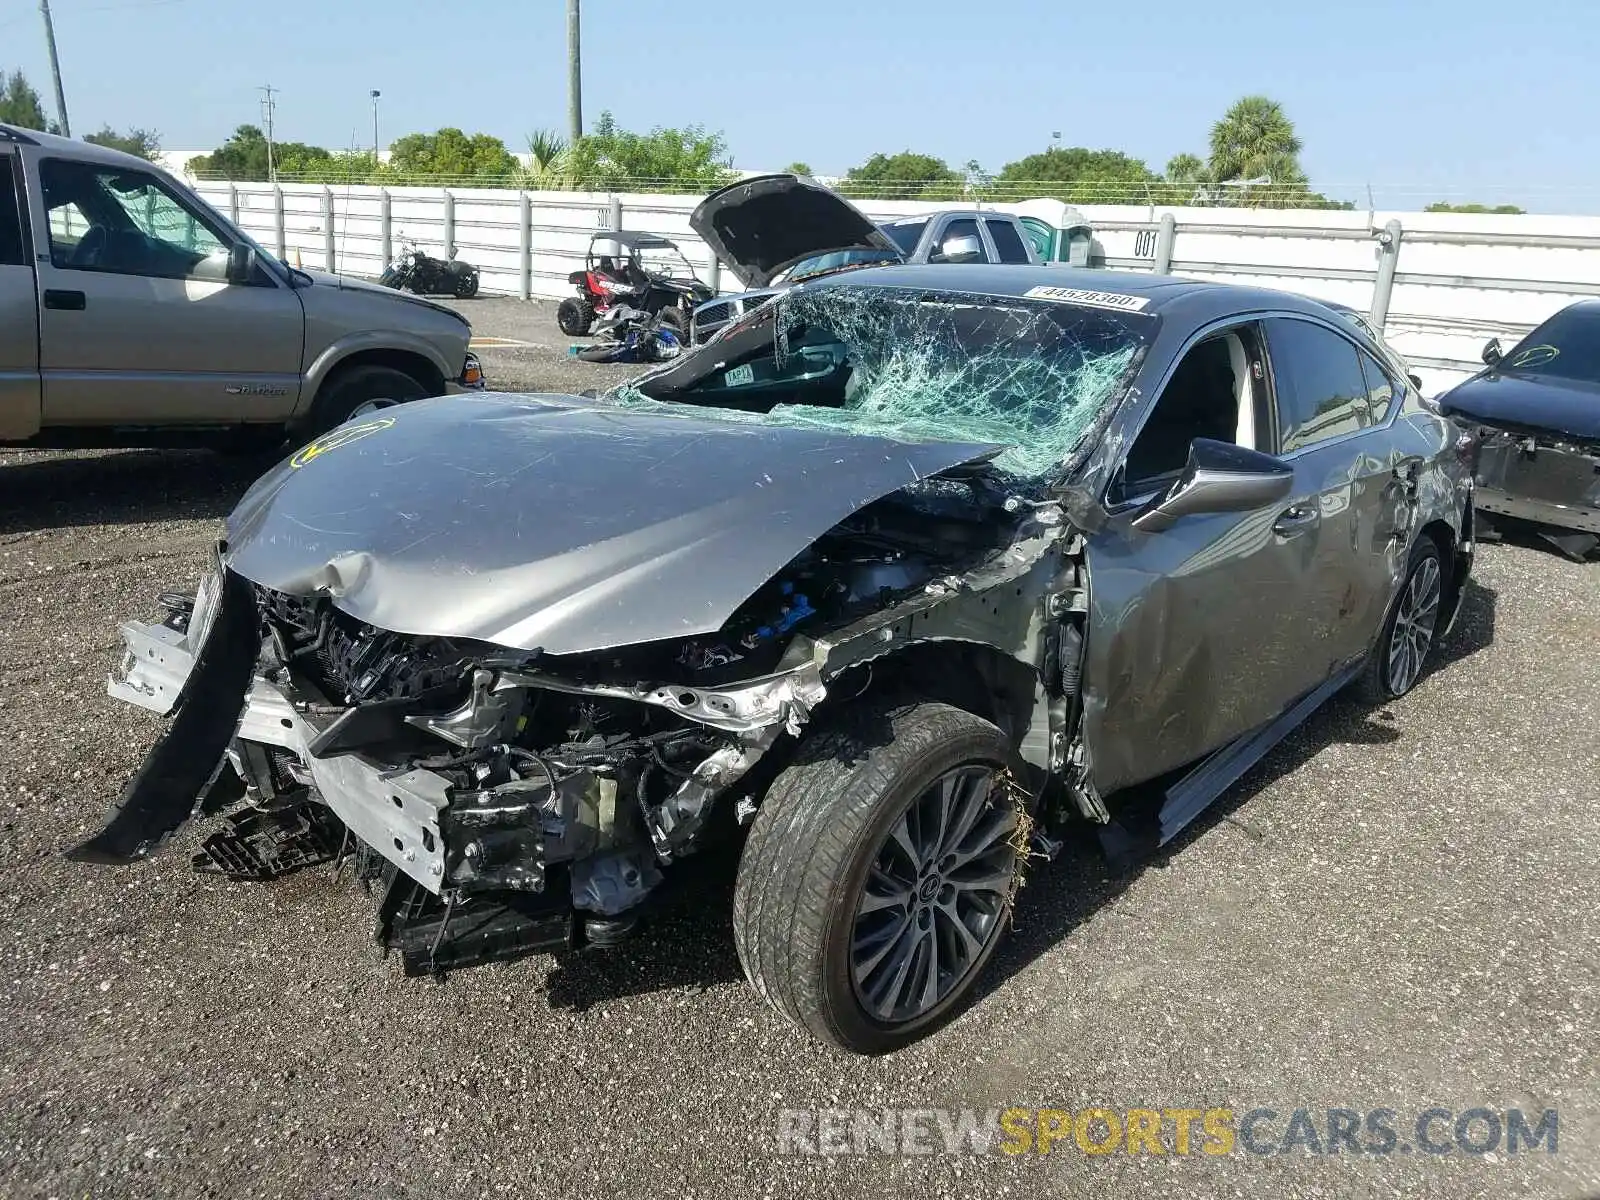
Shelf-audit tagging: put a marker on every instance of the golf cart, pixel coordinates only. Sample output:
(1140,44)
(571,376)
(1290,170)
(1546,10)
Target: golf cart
(640,270)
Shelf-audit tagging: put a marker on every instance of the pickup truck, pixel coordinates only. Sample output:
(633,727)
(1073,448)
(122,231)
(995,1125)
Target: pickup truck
(132,313)
(774,231)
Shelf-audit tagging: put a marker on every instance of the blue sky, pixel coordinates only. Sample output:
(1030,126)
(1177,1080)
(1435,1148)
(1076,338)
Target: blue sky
(1421,100)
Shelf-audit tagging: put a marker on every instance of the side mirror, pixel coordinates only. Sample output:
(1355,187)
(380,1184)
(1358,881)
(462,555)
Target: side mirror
(960,249)
(1219,477)
(1416,383)
(241,263)
(1492,354)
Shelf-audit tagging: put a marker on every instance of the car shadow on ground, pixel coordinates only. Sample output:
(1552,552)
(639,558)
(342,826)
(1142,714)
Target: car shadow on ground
(42,490)
(689,944)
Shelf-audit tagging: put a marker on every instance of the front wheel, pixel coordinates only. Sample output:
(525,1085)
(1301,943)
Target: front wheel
(675,319)
(360,391)
(878,877)
(467,285)
(1398,659)
(574,316)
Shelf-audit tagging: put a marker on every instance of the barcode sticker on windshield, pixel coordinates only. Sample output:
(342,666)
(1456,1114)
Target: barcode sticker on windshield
(1117,300)
(739,376)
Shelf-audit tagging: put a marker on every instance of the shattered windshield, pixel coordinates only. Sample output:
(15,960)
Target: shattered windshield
(1567,346)
(1030,375)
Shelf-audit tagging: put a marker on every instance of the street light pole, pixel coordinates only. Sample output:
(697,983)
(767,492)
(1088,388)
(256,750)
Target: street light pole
(375,94)
(574,76)
(55,68)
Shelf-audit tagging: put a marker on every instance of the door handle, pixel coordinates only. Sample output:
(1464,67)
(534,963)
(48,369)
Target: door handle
(1296,519)
(64,300)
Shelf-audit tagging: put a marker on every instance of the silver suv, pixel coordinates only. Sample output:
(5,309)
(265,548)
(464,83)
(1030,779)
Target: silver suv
(133,313)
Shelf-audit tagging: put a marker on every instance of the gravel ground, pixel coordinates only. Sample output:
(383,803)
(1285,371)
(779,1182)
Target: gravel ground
(1397,909)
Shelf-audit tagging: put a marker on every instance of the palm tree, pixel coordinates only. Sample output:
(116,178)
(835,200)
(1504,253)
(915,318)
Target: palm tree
(1255,138)
(550,165)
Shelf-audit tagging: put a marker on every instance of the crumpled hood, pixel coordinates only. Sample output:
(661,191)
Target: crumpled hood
(1562,406)
(556,522)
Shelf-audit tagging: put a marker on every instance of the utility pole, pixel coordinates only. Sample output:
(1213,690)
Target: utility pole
(375,94)
(55,69)
(574,76)
(267,105)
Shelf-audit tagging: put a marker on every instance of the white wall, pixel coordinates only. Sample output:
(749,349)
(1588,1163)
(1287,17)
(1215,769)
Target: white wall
(1461,278)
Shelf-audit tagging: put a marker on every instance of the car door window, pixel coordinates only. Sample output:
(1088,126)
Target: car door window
(961,227)
(11,249)
(1321,390)
(1006,242)
(1208,395)
(1381,388)
(127,223)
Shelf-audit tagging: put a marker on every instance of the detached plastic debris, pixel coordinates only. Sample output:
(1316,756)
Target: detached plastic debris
(264,844)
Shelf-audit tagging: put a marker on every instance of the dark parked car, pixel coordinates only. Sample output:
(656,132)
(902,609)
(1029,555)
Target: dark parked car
(904,574)
(1535,413)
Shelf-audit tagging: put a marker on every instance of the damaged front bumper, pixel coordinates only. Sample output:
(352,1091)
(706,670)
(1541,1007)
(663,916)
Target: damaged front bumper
(456,796)
(1543,481)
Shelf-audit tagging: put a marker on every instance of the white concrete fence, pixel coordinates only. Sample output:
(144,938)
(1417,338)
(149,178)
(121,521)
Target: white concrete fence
(1442,283)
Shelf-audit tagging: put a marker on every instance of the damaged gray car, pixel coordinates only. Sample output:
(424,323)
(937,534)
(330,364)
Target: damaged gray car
(906,575)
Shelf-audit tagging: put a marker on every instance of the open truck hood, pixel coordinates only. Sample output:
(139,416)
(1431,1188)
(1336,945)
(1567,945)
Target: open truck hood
(555,522)
(763,225)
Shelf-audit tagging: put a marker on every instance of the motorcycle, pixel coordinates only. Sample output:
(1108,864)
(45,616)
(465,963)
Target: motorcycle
(414,271)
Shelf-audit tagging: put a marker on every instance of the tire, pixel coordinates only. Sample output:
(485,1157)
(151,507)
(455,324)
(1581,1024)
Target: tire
(677,320)
(824,829)
(575,315)
(357,388)
(1399,658)
(467,285)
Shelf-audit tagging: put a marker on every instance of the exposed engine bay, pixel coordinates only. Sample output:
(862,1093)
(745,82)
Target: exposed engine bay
(515,801)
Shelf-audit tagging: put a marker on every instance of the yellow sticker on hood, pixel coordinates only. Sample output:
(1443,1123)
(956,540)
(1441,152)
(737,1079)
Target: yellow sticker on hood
(339,437)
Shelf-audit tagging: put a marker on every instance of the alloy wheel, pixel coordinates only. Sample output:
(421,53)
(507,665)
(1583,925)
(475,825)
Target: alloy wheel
(1414,622)
(935,895)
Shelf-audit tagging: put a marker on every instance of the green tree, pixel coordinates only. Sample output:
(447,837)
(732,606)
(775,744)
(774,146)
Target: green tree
(904,176)
(1185,168)
(142,143)
(20,104)
(664,160)
(798,167)
(1446,207)
(451,154)
(1256,140)
(243,158)
(1077,175)
(549,165)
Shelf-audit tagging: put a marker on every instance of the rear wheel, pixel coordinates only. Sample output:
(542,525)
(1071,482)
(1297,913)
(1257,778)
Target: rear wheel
(878,876)
(467,285)
(1401,653)
(359,391)
(676,319)
(575,315)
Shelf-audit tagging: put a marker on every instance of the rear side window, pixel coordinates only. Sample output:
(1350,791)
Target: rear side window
(1006,242)
(1380,387)
(1322,392)
(11,254)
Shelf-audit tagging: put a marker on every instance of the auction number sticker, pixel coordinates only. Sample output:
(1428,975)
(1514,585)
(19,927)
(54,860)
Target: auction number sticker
(740,375)
(1117,300)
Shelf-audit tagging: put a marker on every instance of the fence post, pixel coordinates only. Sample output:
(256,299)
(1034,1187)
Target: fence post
(385,226)
(449,224)
(1165,237)
(328,240)
(233,203)
(616,213)
(714,275)
(525,246)
(277,221)
(1388,260)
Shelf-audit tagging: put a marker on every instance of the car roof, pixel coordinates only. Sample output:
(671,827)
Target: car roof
(1014,281)
(83,151)
(949,212)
